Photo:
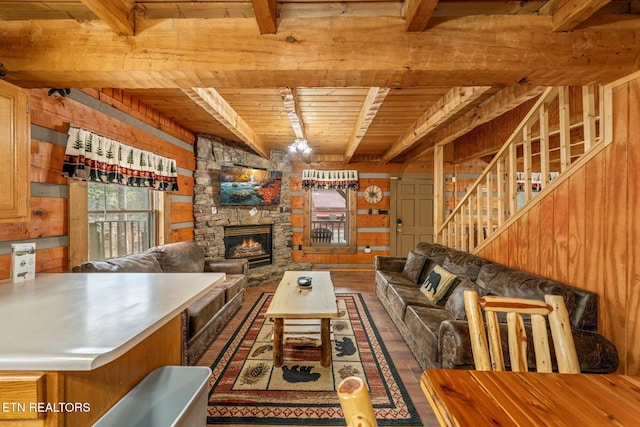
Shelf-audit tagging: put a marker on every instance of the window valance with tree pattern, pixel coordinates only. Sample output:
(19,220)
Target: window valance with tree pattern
(330,180)
(93,157)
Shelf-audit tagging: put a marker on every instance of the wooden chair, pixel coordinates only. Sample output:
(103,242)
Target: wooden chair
(321,235)
(356,403)
(489,357)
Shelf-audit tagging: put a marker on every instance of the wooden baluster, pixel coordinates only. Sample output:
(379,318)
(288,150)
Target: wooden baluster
(479,215)
(511,179)
(544,143)
(565,128)
(444,236)
(603,107)
(526,153)
(472,225)
(502,197)
(589,116)
(489,225)
(462,230)
(454,234)
(439,204)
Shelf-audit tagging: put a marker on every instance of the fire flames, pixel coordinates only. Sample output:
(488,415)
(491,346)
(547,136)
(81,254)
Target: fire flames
(247,248)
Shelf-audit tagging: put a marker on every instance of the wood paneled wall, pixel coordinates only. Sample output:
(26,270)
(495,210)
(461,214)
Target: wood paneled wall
(586,232)
(372,228)
(50,118)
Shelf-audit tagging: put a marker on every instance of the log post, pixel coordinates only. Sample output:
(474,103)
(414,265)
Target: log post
(356,403)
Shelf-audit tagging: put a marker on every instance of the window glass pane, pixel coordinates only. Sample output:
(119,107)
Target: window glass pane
(96,196)
(112,196)
(121,220)
(135,198)
(329,217)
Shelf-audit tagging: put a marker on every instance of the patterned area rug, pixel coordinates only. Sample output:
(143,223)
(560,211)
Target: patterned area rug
(245,388)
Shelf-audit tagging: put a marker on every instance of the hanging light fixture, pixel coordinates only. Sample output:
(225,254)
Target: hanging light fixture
(300,146)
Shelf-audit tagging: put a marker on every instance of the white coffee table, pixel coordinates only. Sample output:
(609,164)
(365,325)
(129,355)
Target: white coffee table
(291,302)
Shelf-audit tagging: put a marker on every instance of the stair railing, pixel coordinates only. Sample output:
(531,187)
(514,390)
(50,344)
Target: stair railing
(542,147)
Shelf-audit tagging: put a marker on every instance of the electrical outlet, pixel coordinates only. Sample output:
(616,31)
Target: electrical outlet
(214,210)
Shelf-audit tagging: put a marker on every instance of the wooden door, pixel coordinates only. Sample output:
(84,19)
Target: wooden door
(412,214)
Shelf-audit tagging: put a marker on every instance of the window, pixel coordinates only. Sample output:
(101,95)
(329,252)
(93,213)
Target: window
(121,220)
(330,221)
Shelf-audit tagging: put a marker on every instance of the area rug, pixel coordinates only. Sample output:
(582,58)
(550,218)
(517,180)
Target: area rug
(245,388)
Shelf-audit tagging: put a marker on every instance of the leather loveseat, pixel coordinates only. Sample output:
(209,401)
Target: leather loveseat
(438,333)
(204,319)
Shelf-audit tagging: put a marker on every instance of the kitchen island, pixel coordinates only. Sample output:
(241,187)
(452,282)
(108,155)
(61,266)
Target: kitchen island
(74,343)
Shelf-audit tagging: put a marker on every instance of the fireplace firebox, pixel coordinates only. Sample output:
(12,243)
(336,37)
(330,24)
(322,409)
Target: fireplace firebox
(252,242)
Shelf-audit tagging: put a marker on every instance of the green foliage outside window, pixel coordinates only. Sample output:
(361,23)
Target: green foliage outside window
(120,220)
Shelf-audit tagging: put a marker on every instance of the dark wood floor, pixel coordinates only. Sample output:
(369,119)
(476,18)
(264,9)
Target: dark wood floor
(350,281)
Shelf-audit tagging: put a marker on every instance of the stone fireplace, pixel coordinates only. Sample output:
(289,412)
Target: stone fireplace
(250,242)
(212,220)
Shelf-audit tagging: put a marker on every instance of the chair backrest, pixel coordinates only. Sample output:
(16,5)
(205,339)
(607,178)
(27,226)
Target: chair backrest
(356,403)
(488,355)
(321,235)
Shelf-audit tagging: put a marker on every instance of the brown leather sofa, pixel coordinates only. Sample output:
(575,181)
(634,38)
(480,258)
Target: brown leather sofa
(203,320)
(438,334)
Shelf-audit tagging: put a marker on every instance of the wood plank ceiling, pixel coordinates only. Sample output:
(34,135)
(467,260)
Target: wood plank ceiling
(360,80)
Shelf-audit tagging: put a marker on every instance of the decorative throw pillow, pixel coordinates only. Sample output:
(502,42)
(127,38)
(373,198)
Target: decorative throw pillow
(428,266)
(437,284)
(413,266)
(455,302)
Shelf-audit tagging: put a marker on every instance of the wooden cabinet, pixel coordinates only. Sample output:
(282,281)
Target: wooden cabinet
(15,143)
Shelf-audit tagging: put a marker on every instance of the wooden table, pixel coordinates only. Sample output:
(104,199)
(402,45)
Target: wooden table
(291,302)
(482,398)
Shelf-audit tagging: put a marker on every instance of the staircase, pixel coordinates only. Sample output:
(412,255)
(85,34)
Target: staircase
(563,125)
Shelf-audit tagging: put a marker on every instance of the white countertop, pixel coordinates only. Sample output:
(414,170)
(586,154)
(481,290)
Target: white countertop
(81,321)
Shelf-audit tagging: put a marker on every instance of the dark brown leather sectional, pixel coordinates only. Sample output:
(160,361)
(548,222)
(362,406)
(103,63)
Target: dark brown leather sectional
(438,334)
(204,319)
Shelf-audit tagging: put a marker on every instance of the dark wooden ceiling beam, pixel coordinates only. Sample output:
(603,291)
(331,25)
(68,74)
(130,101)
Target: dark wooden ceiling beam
(568,14)
(449,105)
(372,103)
(418,12)
(117,14)
(319,52)
(500,103)
(267,15)
(215,105)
